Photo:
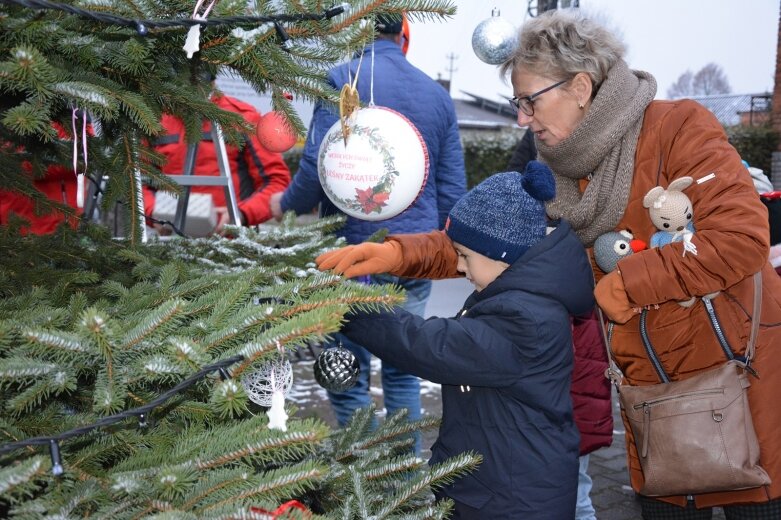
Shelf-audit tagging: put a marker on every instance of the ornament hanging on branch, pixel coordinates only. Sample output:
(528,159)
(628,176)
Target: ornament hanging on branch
(380,171)
(259,385)
(277,417)
(268,387)
(275,133)
(336,369)
(349,101)
(494,39)
(192,43)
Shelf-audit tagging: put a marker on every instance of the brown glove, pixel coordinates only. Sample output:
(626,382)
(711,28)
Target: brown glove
(362,259)
(611,297)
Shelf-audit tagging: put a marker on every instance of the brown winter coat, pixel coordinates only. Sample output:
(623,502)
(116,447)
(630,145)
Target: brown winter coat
(680,138)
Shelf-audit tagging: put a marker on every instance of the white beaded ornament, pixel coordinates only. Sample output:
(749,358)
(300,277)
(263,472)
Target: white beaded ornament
(260,386)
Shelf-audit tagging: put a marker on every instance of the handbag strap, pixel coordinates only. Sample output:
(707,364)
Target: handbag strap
(752,341)
(615,375)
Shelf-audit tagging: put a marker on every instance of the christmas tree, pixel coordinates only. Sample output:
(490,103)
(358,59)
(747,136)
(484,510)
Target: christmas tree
(123,63)
(127,368)
(122,371)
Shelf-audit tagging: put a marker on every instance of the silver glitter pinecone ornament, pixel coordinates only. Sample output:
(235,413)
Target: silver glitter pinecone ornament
(494,39)
(336,369)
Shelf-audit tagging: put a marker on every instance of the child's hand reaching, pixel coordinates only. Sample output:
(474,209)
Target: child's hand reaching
(362,259)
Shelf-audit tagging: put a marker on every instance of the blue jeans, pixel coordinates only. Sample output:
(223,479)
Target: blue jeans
(399,389)
(584,510)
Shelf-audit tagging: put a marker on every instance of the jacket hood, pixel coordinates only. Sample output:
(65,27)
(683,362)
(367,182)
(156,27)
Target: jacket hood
(556,267)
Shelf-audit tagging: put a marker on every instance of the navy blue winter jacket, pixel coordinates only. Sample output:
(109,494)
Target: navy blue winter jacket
(505,365)
(402,87)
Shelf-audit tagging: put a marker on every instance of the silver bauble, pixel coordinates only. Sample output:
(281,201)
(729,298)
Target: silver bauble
(494,39)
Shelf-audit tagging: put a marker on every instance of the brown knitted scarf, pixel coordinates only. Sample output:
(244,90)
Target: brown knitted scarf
(603,146)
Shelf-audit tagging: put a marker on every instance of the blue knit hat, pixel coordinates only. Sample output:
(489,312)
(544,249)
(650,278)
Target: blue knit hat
(503,216)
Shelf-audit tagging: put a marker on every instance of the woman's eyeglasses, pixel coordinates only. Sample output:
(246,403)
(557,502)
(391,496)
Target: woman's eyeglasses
(526,103)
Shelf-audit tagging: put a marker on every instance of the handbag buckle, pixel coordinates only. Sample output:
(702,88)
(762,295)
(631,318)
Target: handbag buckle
(748,368)
(746,365)
(717,416)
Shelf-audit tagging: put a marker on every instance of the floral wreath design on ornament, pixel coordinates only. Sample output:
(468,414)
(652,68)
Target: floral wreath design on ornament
(373,198)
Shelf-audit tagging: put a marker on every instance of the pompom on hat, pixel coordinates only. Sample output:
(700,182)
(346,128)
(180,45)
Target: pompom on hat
(503,216)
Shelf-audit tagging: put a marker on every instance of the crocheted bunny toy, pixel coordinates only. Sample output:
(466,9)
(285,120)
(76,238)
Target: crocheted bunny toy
(671,212)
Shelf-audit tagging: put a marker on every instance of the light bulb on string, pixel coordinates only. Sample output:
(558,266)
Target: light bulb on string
(54,451)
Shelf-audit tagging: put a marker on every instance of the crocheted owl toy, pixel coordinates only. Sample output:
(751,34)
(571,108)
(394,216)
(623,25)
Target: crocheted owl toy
(613,246)
(671,212)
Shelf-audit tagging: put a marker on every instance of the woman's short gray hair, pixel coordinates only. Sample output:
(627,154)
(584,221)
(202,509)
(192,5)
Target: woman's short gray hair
(561,43)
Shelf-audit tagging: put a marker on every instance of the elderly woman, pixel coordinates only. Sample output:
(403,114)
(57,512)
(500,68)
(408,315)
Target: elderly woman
(608,142)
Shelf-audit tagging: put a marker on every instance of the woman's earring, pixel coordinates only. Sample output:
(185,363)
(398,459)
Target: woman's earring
(581,106)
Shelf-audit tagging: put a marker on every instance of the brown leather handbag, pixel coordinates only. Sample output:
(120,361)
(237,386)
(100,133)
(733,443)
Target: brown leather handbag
(695,435)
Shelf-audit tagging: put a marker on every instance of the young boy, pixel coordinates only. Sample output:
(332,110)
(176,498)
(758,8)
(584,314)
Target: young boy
(505,361)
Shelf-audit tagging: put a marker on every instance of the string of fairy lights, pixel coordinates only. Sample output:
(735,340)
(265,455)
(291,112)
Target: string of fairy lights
(143,26)
(141,413)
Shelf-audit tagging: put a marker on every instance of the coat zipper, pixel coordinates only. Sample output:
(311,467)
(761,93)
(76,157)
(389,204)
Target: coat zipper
(649,349)
(464,388)
(714,321)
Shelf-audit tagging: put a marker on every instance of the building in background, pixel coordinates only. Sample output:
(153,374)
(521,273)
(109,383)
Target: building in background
(478,117)
(738,109)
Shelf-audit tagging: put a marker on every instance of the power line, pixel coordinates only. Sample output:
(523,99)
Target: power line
(450,68)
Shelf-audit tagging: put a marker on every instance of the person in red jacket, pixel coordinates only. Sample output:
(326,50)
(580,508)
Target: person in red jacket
(257,173)
(59,184)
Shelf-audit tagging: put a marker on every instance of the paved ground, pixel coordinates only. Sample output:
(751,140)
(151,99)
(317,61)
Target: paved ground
(611,495)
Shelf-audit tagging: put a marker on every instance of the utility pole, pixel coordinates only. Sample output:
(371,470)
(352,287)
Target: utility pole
(451,68)
(537,7)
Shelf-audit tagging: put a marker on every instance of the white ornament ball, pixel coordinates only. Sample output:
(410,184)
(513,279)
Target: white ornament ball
(494,39)
(380,171)
(259,385)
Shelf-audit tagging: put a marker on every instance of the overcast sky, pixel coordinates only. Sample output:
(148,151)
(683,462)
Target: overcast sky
(664,37)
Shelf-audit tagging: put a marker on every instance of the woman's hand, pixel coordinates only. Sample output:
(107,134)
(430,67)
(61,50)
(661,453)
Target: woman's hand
(612,299)
(362,259)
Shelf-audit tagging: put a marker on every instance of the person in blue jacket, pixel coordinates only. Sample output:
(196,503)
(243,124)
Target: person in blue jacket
(505,361)
(399,86)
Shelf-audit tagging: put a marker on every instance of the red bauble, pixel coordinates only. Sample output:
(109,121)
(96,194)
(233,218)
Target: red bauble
(275,133)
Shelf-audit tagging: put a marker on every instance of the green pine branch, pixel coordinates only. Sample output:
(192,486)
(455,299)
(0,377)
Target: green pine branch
(127,81)
(20,480)
(91,326)
(439,475)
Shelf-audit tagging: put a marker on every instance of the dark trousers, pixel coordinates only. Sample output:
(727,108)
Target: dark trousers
(657,510)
